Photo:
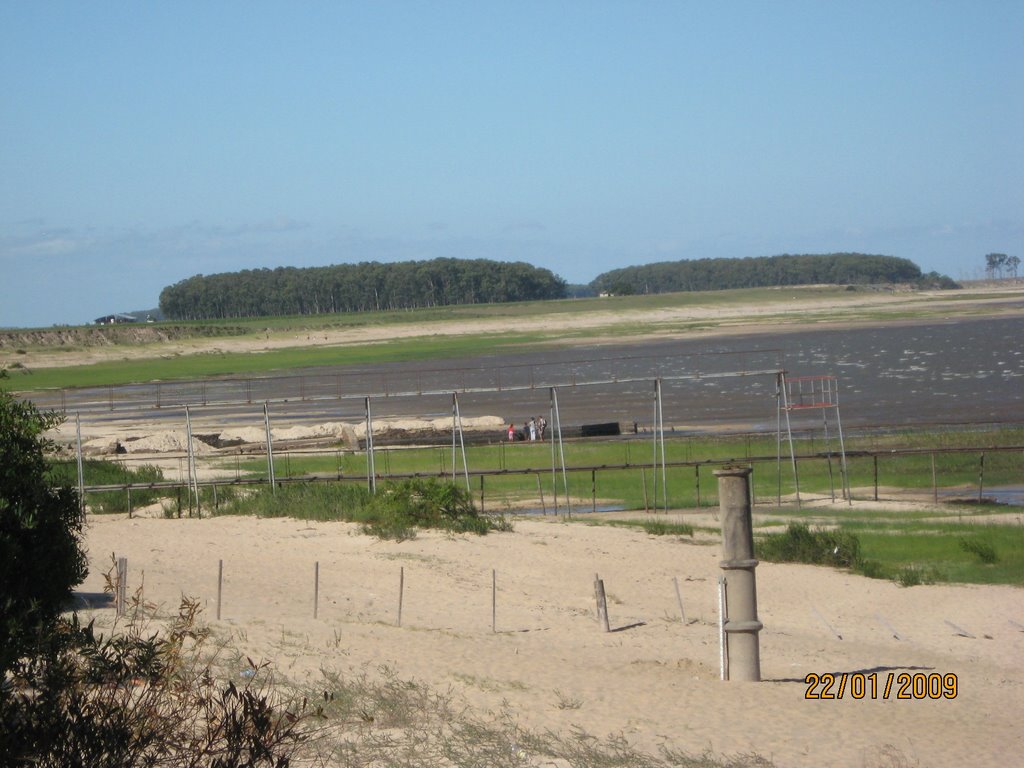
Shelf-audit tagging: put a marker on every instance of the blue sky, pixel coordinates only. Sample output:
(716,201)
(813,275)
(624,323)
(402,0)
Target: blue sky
(143,143)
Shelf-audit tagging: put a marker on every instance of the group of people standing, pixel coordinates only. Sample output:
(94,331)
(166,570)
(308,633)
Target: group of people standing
(534,429)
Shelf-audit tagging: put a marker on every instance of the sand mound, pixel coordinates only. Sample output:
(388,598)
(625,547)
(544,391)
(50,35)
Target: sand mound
(175,441)
(243,435)
(170,441)
(477,424)
(165,442)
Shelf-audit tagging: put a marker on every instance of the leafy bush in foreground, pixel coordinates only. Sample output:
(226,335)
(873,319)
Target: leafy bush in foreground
(132,700)
(41,555)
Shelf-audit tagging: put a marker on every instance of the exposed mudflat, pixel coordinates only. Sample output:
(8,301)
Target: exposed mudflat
(962,372)
(958,363)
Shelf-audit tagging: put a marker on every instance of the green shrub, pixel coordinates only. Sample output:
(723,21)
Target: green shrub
(303,501)
(663,528)
(800,544)
(432,504)
(394,512)
(874,570)
(914,575)
(41,555)
(839,548)
(389,526)
(136,700)
(99,472)
(984,551)
(108,502)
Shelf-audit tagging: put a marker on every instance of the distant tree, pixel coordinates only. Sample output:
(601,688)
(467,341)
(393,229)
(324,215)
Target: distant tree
(1012,264)
(933,280)
(787,269)
(41,555)
(621,288)
(994,264)
(357,288)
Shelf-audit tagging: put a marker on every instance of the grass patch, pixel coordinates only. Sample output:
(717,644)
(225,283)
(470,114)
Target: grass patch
(220,364)
(908,553)
(688,486)
(394,512)
(936,551)
(985,552)
(435,346)
(664,528)
(651,527)
(801,544)
(98,472)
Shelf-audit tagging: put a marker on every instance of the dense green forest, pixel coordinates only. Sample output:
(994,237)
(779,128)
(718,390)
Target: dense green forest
(804,269)
(443,282)
(357,288)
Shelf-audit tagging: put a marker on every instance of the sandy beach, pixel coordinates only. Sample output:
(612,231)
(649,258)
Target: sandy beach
(546,663)
(653,679)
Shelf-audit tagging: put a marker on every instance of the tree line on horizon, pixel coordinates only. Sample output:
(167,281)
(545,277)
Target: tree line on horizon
(766,271)
(373,286)
(367,286)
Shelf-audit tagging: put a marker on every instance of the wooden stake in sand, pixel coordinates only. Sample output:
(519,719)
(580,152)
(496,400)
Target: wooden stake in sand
(679,599)
(494,600)
(602,603)
(401,592)
(220,585)
(316,589)
(121,589)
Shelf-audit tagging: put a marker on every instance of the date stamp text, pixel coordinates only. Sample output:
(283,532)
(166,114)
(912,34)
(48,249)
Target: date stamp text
(907,686)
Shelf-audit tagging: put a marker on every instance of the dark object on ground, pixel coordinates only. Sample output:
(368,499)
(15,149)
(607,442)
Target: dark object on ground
(600,430)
